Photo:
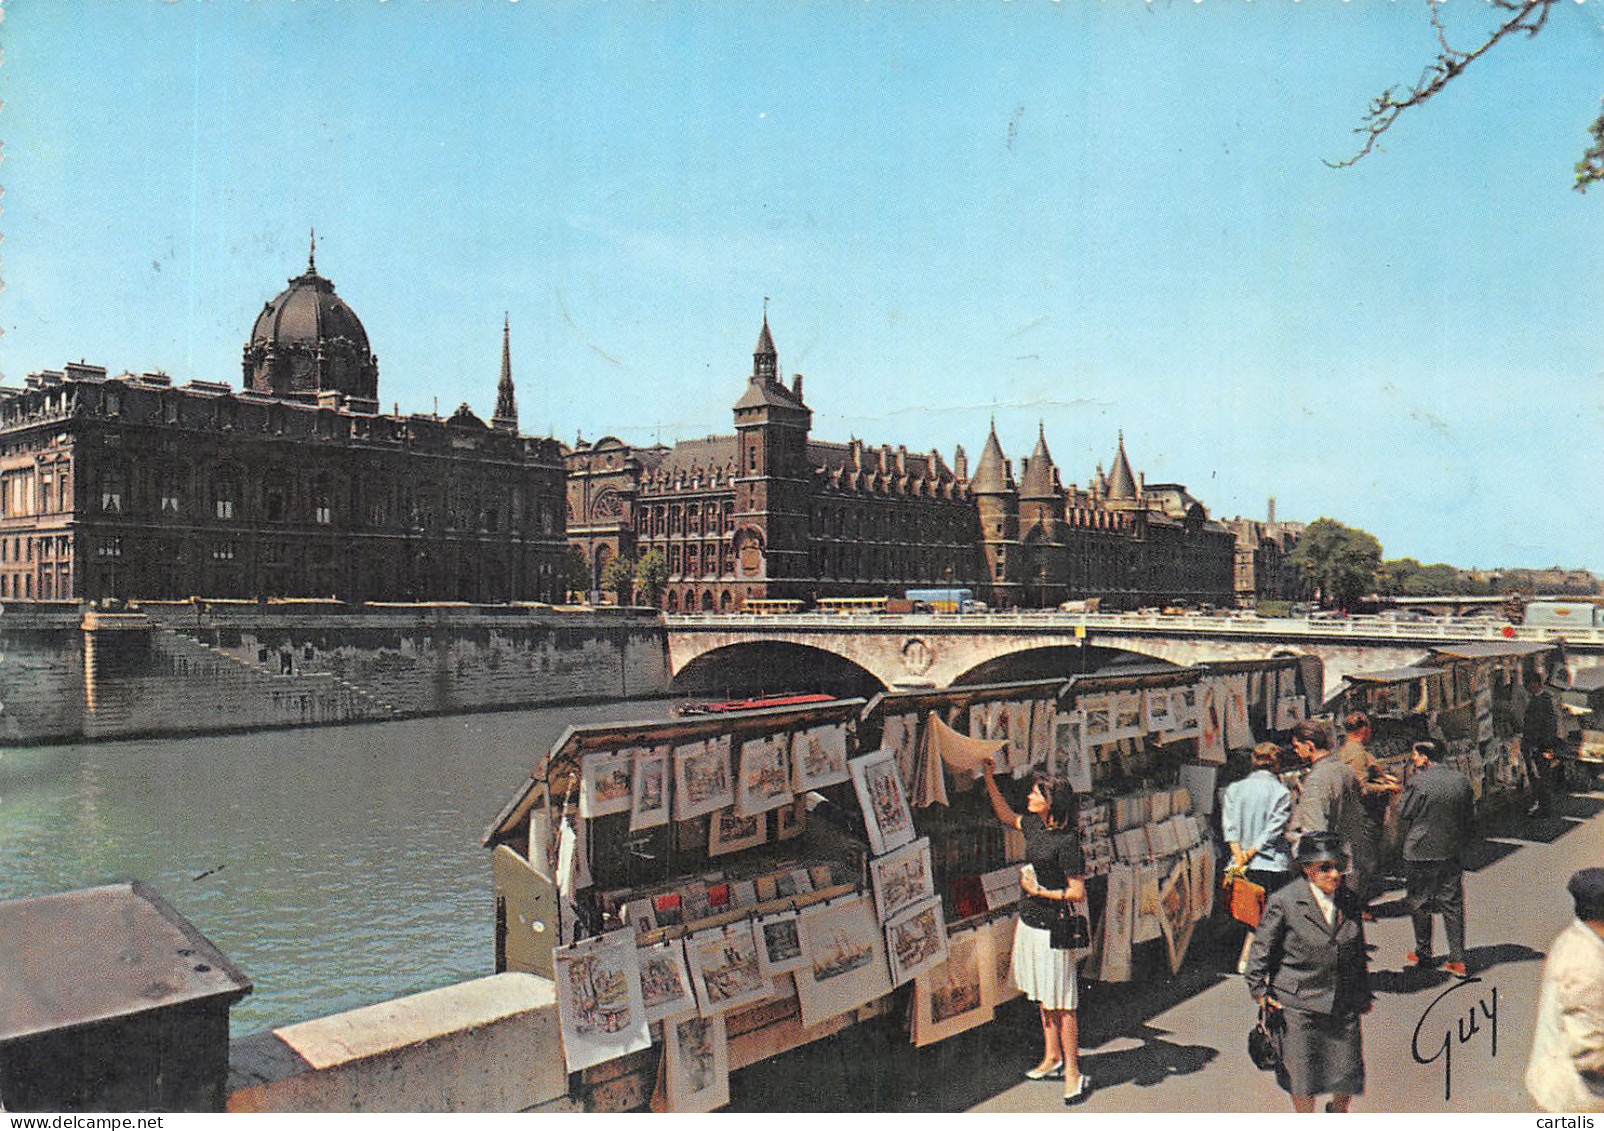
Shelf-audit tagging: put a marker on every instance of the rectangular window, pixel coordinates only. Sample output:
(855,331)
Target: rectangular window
(170,501)
(323,514)
(225,508)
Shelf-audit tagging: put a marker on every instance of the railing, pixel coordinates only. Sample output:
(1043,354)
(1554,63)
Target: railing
(1436,630)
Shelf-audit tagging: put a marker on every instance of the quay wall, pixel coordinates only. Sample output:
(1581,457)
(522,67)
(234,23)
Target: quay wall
(197,667)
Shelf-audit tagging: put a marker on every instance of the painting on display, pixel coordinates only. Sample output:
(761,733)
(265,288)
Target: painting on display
(599,999)
(902,878)
(728,831)
(696,1064)
(1099,713)
(846,959)
(884,805)
(916,941)
(779,944)
(604,783)
(819,758)
(947,999)
(665,981)
(764,782)
(725,968)
(649,796)
(702,780)
(997,980)
(1127,708)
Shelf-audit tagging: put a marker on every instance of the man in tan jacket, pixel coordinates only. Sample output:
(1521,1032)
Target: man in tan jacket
(1566,1072)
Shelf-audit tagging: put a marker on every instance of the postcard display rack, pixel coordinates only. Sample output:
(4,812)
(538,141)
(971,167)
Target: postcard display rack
(697,919)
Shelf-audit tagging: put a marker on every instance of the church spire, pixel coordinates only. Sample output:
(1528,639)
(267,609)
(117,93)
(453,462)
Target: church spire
(506,416)
(311,256)
(765,360)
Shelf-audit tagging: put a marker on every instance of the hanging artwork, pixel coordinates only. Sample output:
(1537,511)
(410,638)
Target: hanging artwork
(1001,887)
(916,940)
(998,984)
(902,878)
(1043,713)
(604,783)
(649,798)
(728,831)
(1202,860)
(725,968)
(779,944)
(599,999)
(1175,913)
(1145,926)
(640,914)
(1127,707)
(1099,711)
(880,796)
(764,782)
(665,982)
(696,1064)
(1238,734)
(1156,716)
(947,999)
(929,779)
(789,820)
(960,753)
(1072,759)
(702,780)
(897,733)
(1291,711)
(573,862)
(1117,922)
(846,959)
(1211,723)
(819,757)
(1184,712)
(1020,752)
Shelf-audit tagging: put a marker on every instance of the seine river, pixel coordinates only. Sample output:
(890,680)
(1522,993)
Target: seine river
(336,866)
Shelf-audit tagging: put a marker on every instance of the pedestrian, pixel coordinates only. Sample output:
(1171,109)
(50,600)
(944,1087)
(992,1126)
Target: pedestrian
(1539,744)
(1441,810)
(1376,790)
(1308,961)
(1054,874)
(1566,1071)
(1254,816)
(1329,800)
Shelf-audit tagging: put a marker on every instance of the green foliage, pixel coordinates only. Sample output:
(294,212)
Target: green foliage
(576,570)
(619,577)
(1590,169)
(1340,561)
(651,576)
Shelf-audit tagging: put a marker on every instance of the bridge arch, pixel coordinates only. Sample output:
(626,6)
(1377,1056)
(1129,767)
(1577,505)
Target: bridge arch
(771,666)
(1049,661)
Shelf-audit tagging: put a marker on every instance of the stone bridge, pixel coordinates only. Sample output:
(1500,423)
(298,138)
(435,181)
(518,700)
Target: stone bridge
(937,650)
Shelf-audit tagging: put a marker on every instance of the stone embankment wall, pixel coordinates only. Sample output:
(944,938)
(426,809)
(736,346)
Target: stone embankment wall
(215,666)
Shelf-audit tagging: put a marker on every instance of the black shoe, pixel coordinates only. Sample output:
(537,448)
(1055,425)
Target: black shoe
(1083,1088)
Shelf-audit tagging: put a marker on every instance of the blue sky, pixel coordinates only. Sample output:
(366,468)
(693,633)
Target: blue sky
(1099,214)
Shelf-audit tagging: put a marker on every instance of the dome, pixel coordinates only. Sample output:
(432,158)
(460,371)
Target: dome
(307,341)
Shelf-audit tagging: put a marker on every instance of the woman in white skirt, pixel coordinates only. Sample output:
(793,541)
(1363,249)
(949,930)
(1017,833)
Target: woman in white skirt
(1053,875)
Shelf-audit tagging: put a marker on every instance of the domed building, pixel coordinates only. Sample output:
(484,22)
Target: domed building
(308,341)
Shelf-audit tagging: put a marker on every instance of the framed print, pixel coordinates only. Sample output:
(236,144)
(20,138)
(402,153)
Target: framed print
(725,968)
(702,780)
(1071,759)
(790,820)
(1156,715)
(997,981)
(649,792)
(1118,920)
(1183,712)
(641,915)
(885,807)
(665,981)
(846,959)
(902,878)
(604,786)
(1238,732)
(764,781)
(1001,887)
(1175,912)
(1211,723)
(1099,714)
(696,1064)
(1020,752)
(728,831)
(1127,708)
(946,998)
(779,943)
(1043,713)
(599,999)
(898,734)
(916,940)
(819,757)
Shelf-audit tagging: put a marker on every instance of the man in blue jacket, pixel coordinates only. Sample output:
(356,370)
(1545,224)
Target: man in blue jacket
(1441,810)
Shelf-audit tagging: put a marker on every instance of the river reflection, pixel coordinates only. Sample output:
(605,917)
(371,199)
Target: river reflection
(337,867)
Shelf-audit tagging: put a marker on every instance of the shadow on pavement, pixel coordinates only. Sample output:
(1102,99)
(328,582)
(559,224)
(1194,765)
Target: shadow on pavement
(1152,1062)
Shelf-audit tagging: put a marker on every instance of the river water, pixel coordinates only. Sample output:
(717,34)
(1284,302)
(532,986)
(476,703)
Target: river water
(336,866)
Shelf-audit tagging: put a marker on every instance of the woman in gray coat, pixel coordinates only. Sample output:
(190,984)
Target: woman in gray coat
(1308,961)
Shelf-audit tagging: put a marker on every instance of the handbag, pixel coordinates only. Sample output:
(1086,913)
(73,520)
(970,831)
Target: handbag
(1264,1039)
(1071,930)
(1246,900)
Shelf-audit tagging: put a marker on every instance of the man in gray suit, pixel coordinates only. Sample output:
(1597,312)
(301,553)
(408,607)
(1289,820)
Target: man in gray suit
(1329,802)
(1441,811)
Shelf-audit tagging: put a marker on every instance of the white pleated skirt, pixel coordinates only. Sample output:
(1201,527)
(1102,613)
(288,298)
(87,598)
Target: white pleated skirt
(1044,975)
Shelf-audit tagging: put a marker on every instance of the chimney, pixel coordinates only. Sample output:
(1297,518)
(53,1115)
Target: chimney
(1272,510)
(796,386)
(960,463)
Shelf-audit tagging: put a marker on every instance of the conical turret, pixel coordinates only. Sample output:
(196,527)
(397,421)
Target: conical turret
(506,415)
(991,473)
(1121,483)
(1040,480)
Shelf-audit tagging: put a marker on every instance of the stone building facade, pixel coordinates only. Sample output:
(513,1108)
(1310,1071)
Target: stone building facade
(295,486)
(771,512)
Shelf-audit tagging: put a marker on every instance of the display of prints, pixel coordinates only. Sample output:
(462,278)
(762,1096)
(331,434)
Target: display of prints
(1020,753)
(696,1062)
(1145,926)
(1156,714)
(1042,715)
(846,959)
(599,999)
(1001,887)
(819,757)
(641,915)
(649,795)
(916,941)
(1127,709)
(1290,712)
(997,983)
(789,820)
(604,783)
(665,982)
(725,968)
(728,831)
(1211,723)
(1175,913)
(1238,734)
(880,796)
(902,878)
(1099,712)
(764,781)
(779,943)
(897,734)
(947,999)
(1118,918)
(1073,759)
(1184,712)
(1202,860)
(702,779)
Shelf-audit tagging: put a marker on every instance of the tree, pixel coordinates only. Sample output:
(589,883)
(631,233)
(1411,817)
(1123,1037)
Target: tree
(651,576)
(1341,560)
(576,571)
(1526,17)
(619,576)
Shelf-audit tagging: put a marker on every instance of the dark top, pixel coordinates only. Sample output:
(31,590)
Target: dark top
(1056,856)
(1540,729)
(1305,962)
(1441,810)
